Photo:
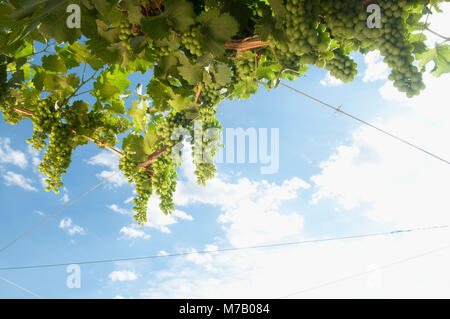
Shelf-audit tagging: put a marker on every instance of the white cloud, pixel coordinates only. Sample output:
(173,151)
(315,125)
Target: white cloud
(122,275)
(389,92)
(158,220)
(11,156)
(245,202)
(65,195)
(110,160)
(13,179)
(276,272)
(394,182)
(72,229)
(197,258)
(162,253)
(330,80)
(120,210)
(132,233)
(116,180)
(376,68)
(38,212)
(34,156)
(105,158)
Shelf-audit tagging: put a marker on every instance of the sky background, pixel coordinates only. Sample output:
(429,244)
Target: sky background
(335,178)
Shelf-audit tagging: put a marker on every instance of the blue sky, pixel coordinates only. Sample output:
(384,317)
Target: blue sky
(335,178)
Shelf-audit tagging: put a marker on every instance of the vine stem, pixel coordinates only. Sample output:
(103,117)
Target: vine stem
(154,155)
(112,149)
(425,27)
(149,160)
(10,4)
(199,90)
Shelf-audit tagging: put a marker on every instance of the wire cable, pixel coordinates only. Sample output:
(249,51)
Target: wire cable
(398,262)
(56,213)
(395,232)
(366,123)
(21,288)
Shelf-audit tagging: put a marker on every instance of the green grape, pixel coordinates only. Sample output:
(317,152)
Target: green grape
(396,48)
(205,169)
(143,183)
(191,40)
(244,66)
(341,66)
(125,32)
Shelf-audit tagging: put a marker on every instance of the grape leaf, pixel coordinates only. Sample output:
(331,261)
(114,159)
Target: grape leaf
(217,28)
(110,84)
(54,63)
(222,74)
(180,14)
(117,106)
(134,12)
(155,27)
(440,55)
(53,25)
(138,114)
(135,145)
(150,139)
(192,73)
(278,8)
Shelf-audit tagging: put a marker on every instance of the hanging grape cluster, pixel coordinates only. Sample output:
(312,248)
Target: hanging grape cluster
(244,66)
(143,183)
(398,51)
(191,40)
(206,143)
(7,101)
(57,158)
(125,32)
(341,66)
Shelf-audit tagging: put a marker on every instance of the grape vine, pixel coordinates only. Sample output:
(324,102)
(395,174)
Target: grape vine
(200,53)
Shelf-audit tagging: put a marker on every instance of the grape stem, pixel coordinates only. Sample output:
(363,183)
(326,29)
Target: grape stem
(425,27)
(149,160)
(199,90)
(154,155)
(10,4)
(246,44)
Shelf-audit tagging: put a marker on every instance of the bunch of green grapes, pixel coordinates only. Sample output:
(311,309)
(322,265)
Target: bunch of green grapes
(57,156)
(341,66)
(163,167)
(208,128)
(211,93)
(303,27)
(143,182)
(244,66)
(125,32)
(46,116)
(347,22)
(163,51)
(163,181)
(166,127)
(191,40)
(6,100)
(397,50)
